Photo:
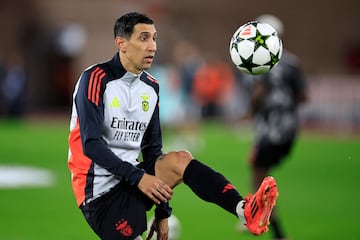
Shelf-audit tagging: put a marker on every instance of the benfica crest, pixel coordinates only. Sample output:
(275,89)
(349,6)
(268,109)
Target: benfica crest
(124,228)
(145,103)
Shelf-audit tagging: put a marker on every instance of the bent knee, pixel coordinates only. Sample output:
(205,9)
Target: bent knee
(171,166)
(179,155)
(185,155)
(179,159)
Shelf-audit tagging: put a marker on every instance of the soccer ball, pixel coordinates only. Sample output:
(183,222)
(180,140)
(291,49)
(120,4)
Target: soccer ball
(174,228)
(255,48)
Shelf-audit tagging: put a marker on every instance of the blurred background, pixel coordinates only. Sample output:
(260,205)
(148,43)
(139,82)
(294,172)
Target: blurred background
(46,44)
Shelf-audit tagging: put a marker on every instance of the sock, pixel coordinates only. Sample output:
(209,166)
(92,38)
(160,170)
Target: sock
(240,211)
(211,186)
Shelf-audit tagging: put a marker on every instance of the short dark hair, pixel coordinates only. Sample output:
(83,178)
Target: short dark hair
(124,25)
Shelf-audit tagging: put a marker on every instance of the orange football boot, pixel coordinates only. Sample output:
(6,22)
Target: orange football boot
(259,206)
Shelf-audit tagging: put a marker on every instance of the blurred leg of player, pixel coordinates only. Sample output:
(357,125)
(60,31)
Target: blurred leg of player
(263,160)
(259,174)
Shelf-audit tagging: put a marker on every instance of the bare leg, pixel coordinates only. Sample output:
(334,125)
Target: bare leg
(170,167)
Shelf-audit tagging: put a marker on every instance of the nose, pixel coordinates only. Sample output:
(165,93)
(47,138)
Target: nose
(152,46)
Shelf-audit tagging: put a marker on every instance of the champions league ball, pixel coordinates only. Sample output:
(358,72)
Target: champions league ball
(174,228)
(255,48)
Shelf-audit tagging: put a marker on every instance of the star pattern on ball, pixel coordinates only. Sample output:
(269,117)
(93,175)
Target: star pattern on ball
(234,44)
(274,59)
(260,40)
(248,63)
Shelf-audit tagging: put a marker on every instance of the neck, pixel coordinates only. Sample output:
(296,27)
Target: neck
(128,64)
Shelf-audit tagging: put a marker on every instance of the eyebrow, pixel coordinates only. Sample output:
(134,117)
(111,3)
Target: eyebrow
(148,33)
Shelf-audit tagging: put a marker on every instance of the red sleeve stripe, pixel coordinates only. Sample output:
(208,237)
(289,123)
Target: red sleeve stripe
(151,78)
(94,85)
(91,82)
(98,88)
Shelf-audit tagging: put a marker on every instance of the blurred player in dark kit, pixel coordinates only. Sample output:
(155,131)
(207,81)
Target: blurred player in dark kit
(274,101)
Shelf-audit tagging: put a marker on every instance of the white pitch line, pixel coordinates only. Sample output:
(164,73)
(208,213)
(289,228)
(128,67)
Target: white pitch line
(18,176)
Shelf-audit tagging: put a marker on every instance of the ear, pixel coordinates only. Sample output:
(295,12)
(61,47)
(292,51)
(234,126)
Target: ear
(120,44)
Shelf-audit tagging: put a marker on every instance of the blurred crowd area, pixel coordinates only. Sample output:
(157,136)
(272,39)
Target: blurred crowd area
(46,44)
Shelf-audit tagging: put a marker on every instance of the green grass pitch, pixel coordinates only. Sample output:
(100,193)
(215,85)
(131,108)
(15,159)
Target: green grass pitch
(318,185)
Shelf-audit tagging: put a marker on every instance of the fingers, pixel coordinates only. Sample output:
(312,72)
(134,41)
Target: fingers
(162,192)
(155,189)
(161,228)
(159,194)
(165,190)
(151,233)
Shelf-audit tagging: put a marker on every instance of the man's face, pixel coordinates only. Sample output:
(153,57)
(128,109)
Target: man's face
(137,53)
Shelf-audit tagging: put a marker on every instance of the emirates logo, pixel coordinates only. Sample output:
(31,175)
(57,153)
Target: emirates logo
(124,228)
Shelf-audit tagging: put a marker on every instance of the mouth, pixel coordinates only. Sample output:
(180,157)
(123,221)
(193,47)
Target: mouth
(149,59)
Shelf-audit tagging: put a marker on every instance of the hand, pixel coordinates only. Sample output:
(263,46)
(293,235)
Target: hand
(155,189)
(161,227)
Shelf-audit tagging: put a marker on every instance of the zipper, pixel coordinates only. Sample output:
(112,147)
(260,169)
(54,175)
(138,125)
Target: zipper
(131,83)
(130,102)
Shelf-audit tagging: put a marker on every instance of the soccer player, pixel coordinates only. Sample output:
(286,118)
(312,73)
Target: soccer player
(275,99)
(115,117)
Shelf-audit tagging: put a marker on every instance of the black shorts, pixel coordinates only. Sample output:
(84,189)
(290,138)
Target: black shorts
(120,213)
(269,155)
